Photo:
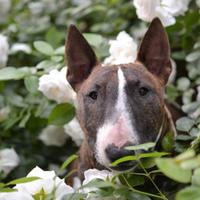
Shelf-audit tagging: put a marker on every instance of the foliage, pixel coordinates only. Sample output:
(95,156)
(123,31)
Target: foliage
(24,111)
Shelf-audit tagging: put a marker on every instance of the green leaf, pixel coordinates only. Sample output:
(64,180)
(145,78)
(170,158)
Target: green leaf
(133,180)
(193,56)
(172,92)
(54,37)
(57,58)
(11,73)
(74,196)
(2,185)
(196,177)
(60,51)
(23,180)
(44,47)
(189,193)
(167,142)
(148,163)
(137,157)
(98,183)
(32,84)
(172,169)
(184,124)
(61,114)
(183,83)
(191,107)
(184,137)
(145,146)
(25,119)
(7,190)
(137,196)
(45,64)
(178,55)
(68,161)
(93,39)
(190,164)
(186,155)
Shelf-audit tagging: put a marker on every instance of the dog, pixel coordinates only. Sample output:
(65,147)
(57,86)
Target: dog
(119,105)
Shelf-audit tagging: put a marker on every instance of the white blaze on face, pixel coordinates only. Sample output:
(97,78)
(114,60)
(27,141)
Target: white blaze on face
(118,129)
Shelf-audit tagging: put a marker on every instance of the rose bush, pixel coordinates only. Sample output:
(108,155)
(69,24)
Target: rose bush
(37,105)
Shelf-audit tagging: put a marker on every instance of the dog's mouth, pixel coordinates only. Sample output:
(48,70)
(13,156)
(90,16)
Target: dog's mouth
(125,166)
(115,154)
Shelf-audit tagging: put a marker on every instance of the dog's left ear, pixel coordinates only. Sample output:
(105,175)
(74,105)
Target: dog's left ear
(81,59)
(154,51)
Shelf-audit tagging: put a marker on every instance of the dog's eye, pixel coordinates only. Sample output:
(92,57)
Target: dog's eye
(93,95)
(143,91)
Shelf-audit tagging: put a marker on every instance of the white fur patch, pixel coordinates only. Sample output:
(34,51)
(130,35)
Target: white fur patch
(118,129)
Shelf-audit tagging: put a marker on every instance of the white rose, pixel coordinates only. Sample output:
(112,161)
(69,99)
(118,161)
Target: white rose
(56,87)
(4,50)
(145,9)
(122,50)
(164,9)
(74,130)
(8,160)
(20,47)
(92,174)
(15,196)
(53,135)
(176,8)
(48,182)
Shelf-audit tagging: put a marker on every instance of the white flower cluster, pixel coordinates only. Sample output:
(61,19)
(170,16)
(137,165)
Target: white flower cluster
(74,130)
(166,10)
(53,135)
(122,50)
(55,86)
(56,136)
(92,174)
(48,184)
(8,160)
(23,47)
(4,50)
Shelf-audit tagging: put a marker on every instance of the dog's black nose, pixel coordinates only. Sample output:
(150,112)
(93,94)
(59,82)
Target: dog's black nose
(113,153)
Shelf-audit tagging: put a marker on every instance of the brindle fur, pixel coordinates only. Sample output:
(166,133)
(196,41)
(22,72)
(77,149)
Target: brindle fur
(151,69)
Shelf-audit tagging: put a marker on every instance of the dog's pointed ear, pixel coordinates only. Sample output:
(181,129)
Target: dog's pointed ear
(80,57)
(154,51)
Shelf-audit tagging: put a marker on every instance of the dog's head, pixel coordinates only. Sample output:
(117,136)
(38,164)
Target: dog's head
(119,105)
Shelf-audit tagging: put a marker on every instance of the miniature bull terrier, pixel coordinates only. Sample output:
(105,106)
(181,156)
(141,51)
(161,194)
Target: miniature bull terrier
(119,105)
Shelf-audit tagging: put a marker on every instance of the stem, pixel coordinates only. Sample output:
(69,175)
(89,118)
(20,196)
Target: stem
(139,174)
(154,171)
(148,175)
(141,192)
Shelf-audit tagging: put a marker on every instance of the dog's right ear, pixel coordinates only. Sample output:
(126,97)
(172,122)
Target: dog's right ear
(81,59)
(154,51)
